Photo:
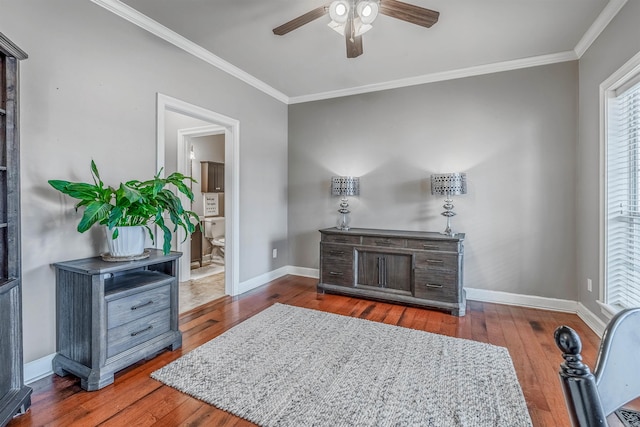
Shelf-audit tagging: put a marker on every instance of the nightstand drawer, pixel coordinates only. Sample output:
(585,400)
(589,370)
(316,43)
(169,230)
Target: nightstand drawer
(433,245)
(383,242)
(436,261)
(431,285)
(138,305)
(136,332)
(341,238)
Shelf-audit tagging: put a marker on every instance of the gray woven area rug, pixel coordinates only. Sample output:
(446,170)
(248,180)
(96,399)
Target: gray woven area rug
(290,366)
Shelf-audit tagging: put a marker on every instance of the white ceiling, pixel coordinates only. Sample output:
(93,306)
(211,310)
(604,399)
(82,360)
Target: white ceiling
(471,37)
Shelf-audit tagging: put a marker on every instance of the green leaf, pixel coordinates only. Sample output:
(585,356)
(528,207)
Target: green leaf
(93,213)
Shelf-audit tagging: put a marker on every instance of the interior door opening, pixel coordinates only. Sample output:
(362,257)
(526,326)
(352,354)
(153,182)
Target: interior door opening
(190,139)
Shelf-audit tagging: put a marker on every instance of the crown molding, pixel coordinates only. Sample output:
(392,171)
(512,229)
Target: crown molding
(438,77)
(608,13)
(146,23)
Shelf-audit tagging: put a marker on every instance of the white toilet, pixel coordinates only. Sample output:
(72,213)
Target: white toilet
(214,233)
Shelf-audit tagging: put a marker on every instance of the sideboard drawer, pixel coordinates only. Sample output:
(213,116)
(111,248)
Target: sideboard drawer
(136,332)
(384,242)
(336,252)
(341,238)
(436,260)
(337,272)
(141,304)
(432,245)
(433,286)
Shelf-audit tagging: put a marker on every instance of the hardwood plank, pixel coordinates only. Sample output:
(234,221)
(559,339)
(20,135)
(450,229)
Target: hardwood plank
(136,399)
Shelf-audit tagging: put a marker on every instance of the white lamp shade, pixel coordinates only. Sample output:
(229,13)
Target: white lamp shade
(367,11)
(339,11)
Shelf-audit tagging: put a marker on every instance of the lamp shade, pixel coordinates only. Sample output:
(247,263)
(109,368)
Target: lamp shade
(339,11)
(452,184)
(345,185)
(367,11)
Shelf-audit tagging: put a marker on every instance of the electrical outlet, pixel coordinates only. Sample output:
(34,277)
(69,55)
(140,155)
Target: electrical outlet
(275,253)
(589,285)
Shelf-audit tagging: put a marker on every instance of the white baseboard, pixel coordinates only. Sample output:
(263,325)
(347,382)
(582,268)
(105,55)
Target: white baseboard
(591,319)
(256,282)
(38,369)
(499,297)
(42,367)
(313,273)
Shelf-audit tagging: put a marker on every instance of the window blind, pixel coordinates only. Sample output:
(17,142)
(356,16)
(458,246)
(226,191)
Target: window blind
(623,197)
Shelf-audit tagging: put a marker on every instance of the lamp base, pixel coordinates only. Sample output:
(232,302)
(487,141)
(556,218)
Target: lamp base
(343,218)
(448,206)
(343,221)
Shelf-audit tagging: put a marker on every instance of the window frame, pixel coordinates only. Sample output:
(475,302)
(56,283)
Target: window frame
(625,74)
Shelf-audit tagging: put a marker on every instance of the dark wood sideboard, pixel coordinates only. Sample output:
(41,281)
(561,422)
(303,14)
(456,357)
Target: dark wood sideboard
(113,314)
(409,267)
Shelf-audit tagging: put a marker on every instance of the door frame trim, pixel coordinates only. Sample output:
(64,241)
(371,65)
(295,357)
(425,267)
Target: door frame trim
(231,128)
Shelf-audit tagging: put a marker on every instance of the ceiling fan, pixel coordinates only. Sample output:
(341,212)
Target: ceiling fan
(352,18)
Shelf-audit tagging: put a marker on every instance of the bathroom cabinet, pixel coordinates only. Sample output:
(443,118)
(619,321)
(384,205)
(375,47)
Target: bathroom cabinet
(212,177)
(408,267)
(15,397)
(196,246)
(110,315)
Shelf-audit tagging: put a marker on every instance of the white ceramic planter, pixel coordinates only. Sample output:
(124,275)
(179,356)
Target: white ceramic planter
(130,241)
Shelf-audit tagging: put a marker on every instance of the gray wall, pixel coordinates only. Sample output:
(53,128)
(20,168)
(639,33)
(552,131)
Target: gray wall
(515,135)
(618,43)
(88,91)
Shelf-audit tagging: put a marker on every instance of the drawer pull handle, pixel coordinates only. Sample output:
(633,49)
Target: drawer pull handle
(148,328)
(336,253)
(430,285)
(383,242)
(336,273)
(434,247)
(435,261)
(135,307)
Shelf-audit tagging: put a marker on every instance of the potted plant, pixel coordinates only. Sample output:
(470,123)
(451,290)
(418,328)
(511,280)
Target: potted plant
(133,204)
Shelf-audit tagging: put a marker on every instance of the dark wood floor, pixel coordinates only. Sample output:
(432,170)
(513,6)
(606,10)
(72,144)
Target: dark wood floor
(136,399)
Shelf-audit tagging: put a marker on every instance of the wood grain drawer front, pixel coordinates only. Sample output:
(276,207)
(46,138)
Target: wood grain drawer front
(136,332)
(337,271)
(136,306)
(436,260)
(337,252)
(432,245)
(433,285)
(383,242)
(341,238)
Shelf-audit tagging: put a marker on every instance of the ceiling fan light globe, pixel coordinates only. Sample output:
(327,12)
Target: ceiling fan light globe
(339,11)
(367,11)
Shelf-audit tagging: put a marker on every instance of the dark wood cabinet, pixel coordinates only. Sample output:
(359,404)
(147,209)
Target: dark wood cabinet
(212,177)
(409,267)
(110,315)
(196,246)
(15,397)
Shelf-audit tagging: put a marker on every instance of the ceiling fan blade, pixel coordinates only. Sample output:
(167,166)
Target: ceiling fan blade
(409,12)
(354,43)
(301,20)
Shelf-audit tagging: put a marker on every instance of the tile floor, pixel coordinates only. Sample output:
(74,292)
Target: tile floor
(206,284)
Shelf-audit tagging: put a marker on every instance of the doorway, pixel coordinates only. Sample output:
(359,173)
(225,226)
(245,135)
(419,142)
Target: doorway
(176,156)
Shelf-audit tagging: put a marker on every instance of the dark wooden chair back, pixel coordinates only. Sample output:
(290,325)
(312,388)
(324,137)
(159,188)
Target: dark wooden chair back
(591,397)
